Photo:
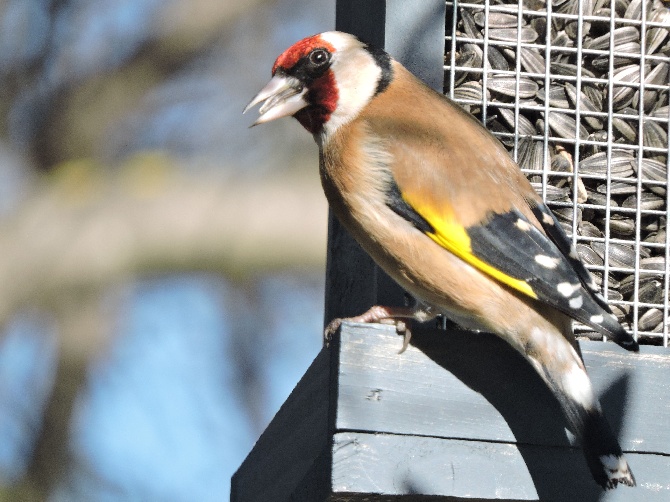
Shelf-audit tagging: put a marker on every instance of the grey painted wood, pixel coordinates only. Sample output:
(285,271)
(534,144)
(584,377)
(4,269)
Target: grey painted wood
(472,470)
(412,31)
(499,396)
(292,445)
(458,415)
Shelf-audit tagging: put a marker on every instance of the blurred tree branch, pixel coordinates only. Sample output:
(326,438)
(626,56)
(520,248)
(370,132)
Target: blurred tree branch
(85,228)
(98,86)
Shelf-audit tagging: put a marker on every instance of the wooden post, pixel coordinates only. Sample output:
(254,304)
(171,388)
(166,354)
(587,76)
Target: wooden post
(412,31)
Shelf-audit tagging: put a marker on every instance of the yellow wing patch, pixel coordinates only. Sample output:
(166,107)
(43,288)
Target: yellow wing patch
(453,237)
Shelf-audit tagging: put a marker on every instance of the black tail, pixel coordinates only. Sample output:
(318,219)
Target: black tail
(602,451)
(562,369)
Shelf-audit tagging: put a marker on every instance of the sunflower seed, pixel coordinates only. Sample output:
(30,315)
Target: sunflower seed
(623,94)
(562,40)
(532,61)
(588,255)
(656,237)
(497,20)
(634,10)
(618,36)
(470,91)
(565,214)
(661,112)
(617,188)
(657,76)
(557,97)
(585,106)
(620,255)
(599,199)
(572,29)
(625,129)
(594,95)
(654,135)
(467,60)
(622,225)
(569,69)
(561,164)
(574,7)
(626,54)
(564,126)
(588,229)
(657,35)
(657,189)
(539,24)
(552,192)
(654,225)
(524,127)
(497,60)
(530,154)
(469,25)
(650,292)
(652,170)
(650,319)
(555,194)
(506,85)
(648,201)
(526,36)
(620,165)
(653,263)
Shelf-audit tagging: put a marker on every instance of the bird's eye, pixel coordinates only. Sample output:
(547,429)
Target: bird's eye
(318,57)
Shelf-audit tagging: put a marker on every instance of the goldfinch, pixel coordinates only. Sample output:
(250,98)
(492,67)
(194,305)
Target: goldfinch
(439,204)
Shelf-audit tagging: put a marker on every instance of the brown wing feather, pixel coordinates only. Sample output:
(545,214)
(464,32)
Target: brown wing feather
(445,155)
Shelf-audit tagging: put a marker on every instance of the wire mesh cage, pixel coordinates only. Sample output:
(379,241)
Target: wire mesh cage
(577,90)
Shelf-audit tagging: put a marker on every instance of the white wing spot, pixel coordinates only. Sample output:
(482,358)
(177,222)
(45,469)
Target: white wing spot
(522,225)
(547,219)
(597,319)
(576,302)
(546,261)
(566,289)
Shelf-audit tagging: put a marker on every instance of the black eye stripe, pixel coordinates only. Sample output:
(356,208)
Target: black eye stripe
(312,65)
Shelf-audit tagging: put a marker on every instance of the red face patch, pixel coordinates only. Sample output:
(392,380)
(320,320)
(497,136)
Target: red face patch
(324,93)
(300,49)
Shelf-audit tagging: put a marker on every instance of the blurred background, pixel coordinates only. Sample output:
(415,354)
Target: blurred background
(161,264)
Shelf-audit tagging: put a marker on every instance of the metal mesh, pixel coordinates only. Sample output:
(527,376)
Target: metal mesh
(590,129)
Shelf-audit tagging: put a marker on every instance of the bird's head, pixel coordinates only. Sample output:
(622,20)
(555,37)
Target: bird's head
(324,81)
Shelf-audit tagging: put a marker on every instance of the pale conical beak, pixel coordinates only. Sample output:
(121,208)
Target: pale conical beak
(283,96)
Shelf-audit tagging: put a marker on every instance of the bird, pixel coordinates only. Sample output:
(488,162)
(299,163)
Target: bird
(438,203)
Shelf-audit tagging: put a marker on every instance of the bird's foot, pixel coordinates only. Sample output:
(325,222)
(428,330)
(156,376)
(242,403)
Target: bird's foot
(385,315)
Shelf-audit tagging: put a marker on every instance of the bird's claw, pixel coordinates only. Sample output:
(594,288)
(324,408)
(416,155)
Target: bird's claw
(400,324)
(331,329)
(403,329)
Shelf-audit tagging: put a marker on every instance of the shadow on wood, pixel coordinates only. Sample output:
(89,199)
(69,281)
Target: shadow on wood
(459,416)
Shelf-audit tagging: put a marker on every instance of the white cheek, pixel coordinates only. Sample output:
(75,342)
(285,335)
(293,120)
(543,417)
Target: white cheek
(361,82)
